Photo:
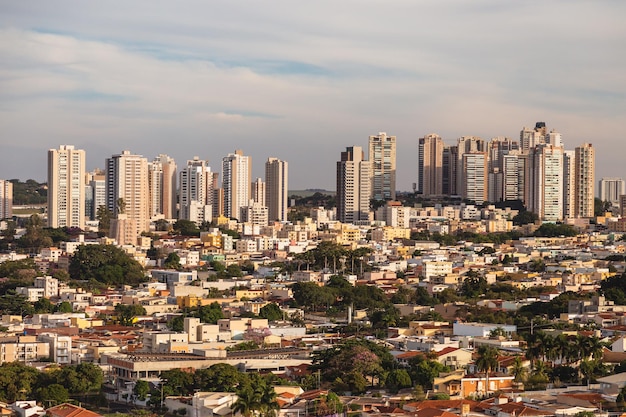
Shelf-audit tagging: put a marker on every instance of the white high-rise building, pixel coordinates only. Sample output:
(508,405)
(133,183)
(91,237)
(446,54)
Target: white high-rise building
(382,157)
(196,191)
(95,192)
(475,173)
(467,144)
(128,196)
(254,213)
(258,191)
(236,182)
(66,187)
(610,189)
(547,185)
(353,186)
(276,189)
(585,180)
(162,183)
(510,174)
(6,199)
(529,138)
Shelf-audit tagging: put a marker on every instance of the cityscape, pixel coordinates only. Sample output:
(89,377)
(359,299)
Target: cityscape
(323,209)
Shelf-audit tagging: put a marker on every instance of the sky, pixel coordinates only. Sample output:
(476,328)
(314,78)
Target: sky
(301,81)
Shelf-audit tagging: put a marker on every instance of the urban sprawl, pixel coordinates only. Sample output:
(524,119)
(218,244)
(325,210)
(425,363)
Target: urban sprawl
(496,287)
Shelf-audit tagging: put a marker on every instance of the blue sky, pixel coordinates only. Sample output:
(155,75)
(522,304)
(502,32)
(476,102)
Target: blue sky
(301,81)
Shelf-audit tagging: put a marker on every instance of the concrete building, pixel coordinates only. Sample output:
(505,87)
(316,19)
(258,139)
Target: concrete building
(66,187)
(6,199)
(277,189)
(547,183)
(585,180)
(254,213)
(128,196)
(609,189)
(430,165)
(569,184)
(196,193)
(382,157)
(162,183)
(353,186)
(236,182)
(475,177)
(95,193)
(529,138)
(258,191)
(467,144)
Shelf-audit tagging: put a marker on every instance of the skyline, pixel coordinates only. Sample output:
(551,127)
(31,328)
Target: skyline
(301,82)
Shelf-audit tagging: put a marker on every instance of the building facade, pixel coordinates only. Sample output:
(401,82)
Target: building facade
(162,183)
(430,165)
(276,189)
(6,199)
(196,192)
(610,189)
(585,180)
(236,182)
(353,186)
(382,157)
(66,187)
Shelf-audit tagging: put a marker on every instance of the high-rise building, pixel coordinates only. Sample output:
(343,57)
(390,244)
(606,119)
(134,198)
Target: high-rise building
(128,196)
(162,183)
(466,144)
(95,193)
(547,183)
(236,182)
(475,174)
(6,199)
(196,191)
(430,165)
(258,192)
(569,184)
(585,180)
(382,157)
(510,176)
(254,213)
(66,187)
(610,189)
(353,186)
(529,138)
(276,189)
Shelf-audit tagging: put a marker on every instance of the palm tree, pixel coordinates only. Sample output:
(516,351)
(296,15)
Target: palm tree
(518,369)
(487,361)
(268,404)
(248,401)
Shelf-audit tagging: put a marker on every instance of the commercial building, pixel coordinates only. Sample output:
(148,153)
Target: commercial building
(66,187)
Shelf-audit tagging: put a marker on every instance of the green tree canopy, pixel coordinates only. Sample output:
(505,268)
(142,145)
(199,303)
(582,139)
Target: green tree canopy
(271,312)
(105,264)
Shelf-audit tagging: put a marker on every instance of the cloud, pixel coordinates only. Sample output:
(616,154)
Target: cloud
(302,81)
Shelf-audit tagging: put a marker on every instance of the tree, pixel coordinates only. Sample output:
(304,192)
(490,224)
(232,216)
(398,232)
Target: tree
(398,379)
(473,285)
(271,312)
(518,370)
(186,228)
(65,307)
(53,394)
(17,381)
(172,261)
(104,216)
(220,377)
(423,371)
(126,313)
(106,265)
(141,389)
(487,361)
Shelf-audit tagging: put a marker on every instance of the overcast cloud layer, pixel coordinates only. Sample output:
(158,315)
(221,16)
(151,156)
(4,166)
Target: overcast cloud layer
(303,80)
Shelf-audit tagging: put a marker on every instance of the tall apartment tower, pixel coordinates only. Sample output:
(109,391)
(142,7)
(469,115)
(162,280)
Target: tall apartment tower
(95,192)
(466,144)
(128,196)
(585,180)
(610,189)
(6,199)
(353,186)
(236,182)
(382,157)
(277,189)
(258,192)
(529,138)
(475,174)
(196,191)
(569,184)
(547,183)
(66,187)
(430,165)
(162,183)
